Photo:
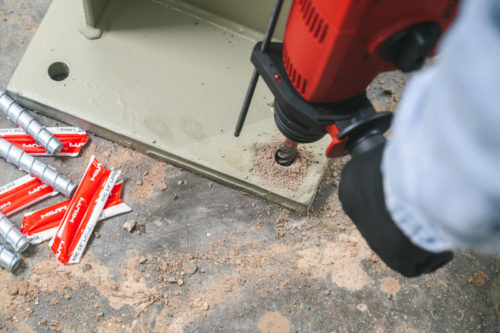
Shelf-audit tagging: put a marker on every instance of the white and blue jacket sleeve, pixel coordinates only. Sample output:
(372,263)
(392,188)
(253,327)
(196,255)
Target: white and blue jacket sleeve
(441,166)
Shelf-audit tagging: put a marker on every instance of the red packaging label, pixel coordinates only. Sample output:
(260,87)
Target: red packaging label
(42,225)
(72,138)
(83,212)
(22,193)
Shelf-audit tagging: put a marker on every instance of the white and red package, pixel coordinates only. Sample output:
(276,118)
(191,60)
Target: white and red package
(72,138)
(22,193)
(42,224)
(83,212)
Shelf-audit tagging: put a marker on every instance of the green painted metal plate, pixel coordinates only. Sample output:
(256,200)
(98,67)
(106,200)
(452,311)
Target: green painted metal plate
(168,80)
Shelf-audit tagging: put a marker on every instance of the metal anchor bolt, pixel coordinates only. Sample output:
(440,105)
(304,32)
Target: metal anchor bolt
(21,117)
(47,174)
(12,236)
(8,260)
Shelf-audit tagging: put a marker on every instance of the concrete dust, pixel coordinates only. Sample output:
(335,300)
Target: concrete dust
(362,307)
(478,279)
(255,263)
(15,296)
(390,286)
(289,177)
(49,277)
(152,180)
(141,177)
(341,260)
(273,322)
(112,325)
(252,263)
(195,307)
(229,286)
(406,328)
(324,248)
(133,290)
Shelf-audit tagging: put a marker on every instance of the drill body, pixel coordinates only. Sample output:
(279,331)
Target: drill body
(332,50)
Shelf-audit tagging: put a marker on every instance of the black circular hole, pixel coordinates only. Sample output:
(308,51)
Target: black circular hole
(58,71)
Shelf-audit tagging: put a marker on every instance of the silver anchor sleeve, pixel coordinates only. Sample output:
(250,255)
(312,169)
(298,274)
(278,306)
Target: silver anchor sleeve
(21,117)
(8,260)
(12,236)
(47,174)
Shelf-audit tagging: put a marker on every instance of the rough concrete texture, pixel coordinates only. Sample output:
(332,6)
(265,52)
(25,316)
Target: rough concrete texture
(206,258)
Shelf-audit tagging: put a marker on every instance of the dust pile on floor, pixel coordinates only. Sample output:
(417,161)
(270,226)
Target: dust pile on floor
(170,290)
(289,177)
(207,253)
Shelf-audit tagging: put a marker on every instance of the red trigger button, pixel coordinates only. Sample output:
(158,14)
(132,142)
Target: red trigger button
(336,147)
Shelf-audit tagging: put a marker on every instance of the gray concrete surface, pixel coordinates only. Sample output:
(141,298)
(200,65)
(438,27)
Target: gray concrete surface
(257,267)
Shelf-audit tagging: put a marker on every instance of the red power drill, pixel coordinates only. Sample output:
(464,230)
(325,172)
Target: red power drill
(332,50)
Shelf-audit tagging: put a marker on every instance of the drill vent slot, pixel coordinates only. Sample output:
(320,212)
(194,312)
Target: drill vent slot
(313,20)
(298,81)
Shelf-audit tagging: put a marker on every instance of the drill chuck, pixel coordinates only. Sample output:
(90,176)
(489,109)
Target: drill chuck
(294,130)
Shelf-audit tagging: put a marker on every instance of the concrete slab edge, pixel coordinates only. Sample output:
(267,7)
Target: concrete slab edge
(161,155)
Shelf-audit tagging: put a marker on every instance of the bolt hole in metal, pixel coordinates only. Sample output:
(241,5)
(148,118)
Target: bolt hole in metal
(58,71)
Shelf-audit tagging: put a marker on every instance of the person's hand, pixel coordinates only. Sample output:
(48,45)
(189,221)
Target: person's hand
(362,197)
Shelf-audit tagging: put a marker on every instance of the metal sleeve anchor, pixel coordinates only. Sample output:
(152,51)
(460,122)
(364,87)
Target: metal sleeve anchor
(21,117)
(47,174)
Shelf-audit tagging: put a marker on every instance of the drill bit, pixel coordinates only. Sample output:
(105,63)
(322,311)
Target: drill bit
(287,153)
(21,117)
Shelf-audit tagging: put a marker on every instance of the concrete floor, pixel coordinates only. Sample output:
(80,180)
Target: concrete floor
(211,259)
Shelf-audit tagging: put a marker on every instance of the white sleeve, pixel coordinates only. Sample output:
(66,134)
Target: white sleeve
(441,166)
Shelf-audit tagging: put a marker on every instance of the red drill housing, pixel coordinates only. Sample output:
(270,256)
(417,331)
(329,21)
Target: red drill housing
(332,49)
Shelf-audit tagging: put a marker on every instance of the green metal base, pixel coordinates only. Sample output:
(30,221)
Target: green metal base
(165,79)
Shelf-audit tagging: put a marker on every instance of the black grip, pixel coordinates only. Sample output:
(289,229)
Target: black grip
(362,197)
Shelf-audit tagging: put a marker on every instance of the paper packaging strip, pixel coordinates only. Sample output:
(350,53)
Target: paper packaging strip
(83,212)
(8,260)
(12,236)
(48,231)
(21,117)
(35,223)
(37,168)
(42,225)
(22,193)
(72,138)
